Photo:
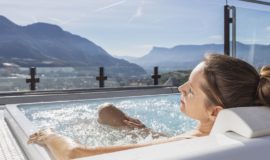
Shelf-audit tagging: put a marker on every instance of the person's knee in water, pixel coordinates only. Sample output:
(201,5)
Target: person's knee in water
(109,114)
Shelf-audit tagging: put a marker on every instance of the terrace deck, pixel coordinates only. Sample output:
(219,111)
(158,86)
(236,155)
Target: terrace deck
(9,148)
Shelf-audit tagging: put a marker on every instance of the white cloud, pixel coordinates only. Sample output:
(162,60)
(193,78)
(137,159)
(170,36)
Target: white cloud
(132,50)
(59,21)
(110,6)
(250,41)
(216,38)
(63,21)
(145,46)
(138,13)
(268,28)
(118,52)
(35,20)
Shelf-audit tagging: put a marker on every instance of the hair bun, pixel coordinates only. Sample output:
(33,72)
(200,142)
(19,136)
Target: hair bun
(265,71)
(264,86)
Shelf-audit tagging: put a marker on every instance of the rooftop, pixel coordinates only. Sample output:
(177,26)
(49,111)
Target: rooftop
(9,148)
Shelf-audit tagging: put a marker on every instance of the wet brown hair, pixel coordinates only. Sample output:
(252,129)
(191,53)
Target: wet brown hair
(264,86)
(231,82)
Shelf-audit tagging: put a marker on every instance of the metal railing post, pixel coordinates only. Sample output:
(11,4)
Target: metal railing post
(156,76)
(229,18)
(32,80)
(101,77)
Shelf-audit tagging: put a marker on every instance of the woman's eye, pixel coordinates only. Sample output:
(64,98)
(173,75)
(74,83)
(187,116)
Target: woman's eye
(190,91)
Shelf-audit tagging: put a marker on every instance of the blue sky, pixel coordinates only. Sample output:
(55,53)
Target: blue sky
(133,27)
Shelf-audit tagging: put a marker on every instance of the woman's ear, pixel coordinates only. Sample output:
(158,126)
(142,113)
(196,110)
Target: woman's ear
(214,112)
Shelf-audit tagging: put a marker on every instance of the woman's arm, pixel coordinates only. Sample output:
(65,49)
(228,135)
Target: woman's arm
(64,148)
(83,151)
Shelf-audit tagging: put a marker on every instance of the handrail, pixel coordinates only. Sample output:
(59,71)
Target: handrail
(44,92)
(257,2)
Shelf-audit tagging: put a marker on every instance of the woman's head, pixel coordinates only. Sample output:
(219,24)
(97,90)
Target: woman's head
(224,82)
(192,96)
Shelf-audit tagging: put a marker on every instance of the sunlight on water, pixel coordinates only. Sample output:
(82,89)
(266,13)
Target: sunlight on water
(78,119)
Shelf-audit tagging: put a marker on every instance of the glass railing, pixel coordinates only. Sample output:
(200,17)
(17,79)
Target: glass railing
(253,36)
(127,38)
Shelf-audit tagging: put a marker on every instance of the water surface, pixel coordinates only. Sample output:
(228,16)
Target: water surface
(78,119)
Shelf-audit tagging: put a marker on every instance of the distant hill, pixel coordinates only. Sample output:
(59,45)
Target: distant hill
(185,57)
(127,58)
(175,78)
(47,45)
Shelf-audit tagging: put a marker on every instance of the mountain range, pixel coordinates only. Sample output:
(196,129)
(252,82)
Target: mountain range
(185,57)
(48,45)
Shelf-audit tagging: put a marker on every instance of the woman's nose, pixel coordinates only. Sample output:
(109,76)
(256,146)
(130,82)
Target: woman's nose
(181,89)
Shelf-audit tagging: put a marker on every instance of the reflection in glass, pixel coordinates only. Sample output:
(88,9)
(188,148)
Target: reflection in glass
(253,36)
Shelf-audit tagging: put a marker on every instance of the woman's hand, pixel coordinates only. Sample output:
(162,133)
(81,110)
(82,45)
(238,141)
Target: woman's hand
(40,137)
(133,122)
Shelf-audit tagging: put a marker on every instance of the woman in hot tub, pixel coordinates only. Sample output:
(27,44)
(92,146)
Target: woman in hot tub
(217,83)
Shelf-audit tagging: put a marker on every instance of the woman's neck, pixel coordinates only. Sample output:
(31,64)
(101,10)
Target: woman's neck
(203,129)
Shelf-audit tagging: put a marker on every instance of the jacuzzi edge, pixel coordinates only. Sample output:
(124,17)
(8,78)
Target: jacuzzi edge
(49,97)
(22,128)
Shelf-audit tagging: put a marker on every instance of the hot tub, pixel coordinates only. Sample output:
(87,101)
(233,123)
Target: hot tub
(238,133)
(75,114)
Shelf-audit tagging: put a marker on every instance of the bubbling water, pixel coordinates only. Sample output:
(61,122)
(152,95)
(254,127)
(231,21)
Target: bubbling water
(78,119)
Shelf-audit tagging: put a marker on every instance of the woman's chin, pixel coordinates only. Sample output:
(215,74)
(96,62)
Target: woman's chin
(182,108)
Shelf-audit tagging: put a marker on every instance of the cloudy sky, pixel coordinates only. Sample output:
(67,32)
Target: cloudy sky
(133,27)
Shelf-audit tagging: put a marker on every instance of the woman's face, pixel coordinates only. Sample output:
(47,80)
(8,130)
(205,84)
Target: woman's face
(193,99)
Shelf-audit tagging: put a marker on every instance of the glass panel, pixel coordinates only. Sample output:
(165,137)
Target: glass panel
(253,36)
(67,41)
